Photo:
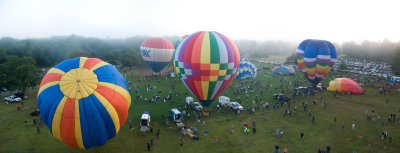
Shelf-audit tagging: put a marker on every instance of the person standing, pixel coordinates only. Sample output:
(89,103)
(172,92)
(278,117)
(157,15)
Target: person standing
(215,139)
(148,146)
(181,143)
(37,129)
(301,134)
(151,141)
(26,123)
(281,133)
(276,148)
(130,124)
(232,129)
(328,149)
(157,133)
(277,131)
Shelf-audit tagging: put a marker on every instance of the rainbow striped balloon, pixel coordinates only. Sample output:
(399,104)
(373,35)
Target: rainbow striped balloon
(316,58)
(345,85)
(283,70)
(84,101)
(206,62)
(247,70)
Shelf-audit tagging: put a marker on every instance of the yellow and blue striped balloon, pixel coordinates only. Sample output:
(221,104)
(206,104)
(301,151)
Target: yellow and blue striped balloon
(84,101)
(247,70)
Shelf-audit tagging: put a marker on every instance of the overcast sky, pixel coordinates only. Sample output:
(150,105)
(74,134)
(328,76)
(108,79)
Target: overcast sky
(294,20)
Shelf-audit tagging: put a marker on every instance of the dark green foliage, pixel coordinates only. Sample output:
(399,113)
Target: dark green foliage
(396,61)
(342,66)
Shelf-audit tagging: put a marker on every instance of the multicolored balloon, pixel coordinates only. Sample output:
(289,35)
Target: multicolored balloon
(206,62)
(316,58)
(247,70)
(84,101)
(157,53)
(345,85)
(179,41)
(283,70)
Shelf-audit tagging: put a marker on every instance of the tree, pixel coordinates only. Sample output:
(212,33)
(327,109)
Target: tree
(130,57)
(19,73)
(396,61)
(342,66)
(292,59)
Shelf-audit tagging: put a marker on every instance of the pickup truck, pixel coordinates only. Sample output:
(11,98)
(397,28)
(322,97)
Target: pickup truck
(13,99)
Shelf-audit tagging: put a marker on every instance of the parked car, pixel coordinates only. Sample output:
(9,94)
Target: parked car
(13,99)
(197,106)
(189,100)
(235,106)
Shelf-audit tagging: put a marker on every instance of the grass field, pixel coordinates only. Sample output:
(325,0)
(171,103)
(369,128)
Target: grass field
(15,137)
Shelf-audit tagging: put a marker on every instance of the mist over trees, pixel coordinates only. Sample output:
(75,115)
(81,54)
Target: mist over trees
(263,49)
(46,52)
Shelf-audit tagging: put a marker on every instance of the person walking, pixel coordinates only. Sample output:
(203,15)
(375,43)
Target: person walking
(232,129)
(215,139)
(151,141)
(281,133)
(37,129)
(26,123)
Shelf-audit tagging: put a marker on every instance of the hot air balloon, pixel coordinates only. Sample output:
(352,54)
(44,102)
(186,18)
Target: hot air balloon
(84,101)
(157,53)
(206,62)
(345,85)
(247,70)
(283,70)
(316,58)
(179,41)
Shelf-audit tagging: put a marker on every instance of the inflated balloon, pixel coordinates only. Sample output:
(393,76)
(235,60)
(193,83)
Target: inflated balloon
(179,41)
(345,85)
(247,70)
(157,53)
(206,62)
(84,101)
(283,70)
(316,58)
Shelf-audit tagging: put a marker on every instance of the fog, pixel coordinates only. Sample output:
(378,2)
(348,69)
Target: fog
(289,20)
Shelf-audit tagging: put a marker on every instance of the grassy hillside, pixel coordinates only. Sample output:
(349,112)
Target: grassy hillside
(15,137)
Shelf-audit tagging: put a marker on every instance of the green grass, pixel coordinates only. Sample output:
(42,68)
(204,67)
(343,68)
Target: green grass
(15,137)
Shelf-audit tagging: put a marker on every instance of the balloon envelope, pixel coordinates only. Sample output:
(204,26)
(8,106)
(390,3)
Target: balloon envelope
(345,85)
(283,70)
(206,62)
(179,41)
(84,101)
(157,53)
(316,58)
(247,70)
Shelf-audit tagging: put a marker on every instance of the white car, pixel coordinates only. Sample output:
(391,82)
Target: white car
(13,99)
(235,106)
(197,106)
